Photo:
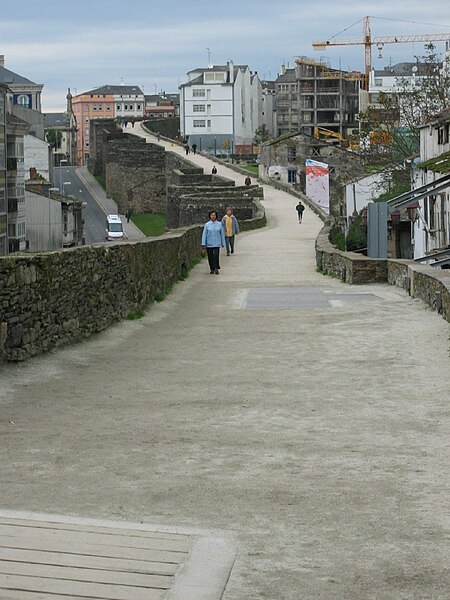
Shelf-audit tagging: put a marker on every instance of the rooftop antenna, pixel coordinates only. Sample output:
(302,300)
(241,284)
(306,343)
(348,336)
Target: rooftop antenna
(209,57)
(155,90)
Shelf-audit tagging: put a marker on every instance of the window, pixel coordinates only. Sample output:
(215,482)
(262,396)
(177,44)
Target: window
(86,106)
(214,77)
(21,229)
(199,122)
(108,107)
(86,120)
(119,107)
(125,107)
(292,176)
(378,82)
(292,153)
(293,87)
(443,134)
(197,93)
(199,108)
(138,107)
(94,107)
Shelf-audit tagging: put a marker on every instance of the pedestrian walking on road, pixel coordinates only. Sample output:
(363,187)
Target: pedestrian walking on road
(194,148)
(158,136)
(248,181)
(230,229)
(300,208)
(186,149)
(128,215)
(214,170)
(213,239)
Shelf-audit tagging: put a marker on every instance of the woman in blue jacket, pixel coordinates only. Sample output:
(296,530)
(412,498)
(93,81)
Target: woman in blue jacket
(213,239)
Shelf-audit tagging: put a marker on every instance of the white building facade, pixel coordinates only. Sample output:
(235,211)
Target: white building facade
(432,228)
(129,102)
(220,108)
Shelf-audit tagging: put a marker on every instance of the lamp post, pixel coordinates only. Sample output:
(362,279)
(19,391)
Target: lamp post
(412,210)
(64,187)
(60,174)
(50,190)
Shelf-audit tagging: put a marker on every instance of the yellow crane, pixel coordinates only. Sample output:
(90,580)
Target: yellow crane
(368,41)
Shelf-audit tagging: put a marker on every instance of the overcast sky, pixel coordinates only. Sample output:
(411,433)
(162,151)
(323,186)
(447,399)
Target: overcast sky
(153,43)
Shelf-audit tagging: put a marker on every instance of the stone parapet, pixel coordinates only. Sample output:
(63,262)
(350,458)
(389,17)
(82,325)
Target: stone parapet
(55,298)
(420,281)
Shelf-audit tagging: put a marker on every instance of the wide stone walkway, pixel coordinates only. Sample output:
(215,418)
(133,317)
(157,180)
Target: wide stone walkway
(305,419)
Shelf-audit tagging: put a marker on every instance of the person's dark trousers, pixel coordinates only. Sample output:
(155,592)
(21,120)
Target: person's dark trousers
(213,258)
(229,241)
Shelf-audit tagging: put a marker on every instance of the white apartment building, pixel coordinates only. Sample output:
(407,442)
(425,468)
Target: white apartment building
(220,108)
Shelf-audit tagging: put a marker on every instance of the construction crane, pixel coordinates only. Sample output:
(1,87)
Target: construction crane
(368,41)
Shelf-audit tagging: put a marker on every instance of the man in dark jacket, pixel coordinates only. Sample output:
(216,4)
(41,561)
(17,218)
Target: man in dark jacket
(300,208)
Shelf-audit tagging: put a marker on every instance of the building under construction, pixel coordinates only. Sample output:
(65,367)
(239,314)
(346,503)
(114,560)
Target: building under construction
(312,95)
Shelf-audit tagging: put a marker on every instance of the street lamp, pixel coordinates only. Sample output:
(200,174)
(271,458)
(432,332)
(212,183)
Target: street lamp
(50,190)
(64,187)
(60,166)
(412,211)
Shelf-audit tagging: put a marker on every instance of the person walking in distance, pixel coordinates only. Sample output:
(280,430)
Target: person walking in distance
(248,181)
(186,149)
(128,215)
(214,170)
(213,239)
(300,208)
(158,136)
(194,148)
(230,229)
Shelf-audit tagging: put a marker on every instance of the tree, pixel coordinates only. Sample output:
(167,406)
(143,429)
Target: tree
(389,133)
(261,135)
(392,128)
(54,137)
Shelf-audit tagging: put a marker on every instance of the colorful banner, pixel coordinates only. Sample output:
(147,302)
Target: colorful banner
(317,183)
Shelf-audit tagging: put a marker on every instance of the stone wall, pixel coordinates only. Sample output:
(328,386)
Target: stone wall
(99,131)
(136,175)
(187,205)
(168,127)
(348,266)
(421,281)
(54,298)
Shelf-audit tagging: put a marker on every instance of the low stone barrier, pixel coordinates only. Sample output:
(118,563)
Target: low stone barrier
(350,267)
(421,281)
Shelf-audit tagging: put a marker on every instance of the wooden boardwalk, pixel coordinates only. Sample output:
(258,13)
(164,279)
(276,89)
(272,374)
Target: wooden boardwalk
(46,560)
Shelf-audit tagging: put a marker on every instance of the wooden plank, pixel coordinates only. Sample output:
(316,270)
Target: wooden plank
(23,595)
(92,537)
(93,528)
(91,575)
(82,561)
(76,588)
(93,550)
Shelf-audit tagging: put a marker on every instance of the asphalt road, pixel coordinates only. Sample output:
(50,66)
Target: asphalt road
(68,180)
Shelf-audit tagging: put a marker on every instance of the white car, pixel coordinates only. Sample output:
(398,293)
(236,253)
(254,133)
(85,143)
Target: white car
(114,228)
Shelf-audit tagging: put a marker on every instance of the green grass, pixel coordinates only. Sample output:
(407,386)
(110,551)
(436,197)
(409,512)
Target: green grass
(101,180)
(251,168)
(150,224)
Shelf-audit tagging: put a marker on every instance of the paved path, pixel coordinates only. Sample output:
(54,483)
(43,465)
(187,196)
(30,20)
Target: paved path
(311,425)
(107,205)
